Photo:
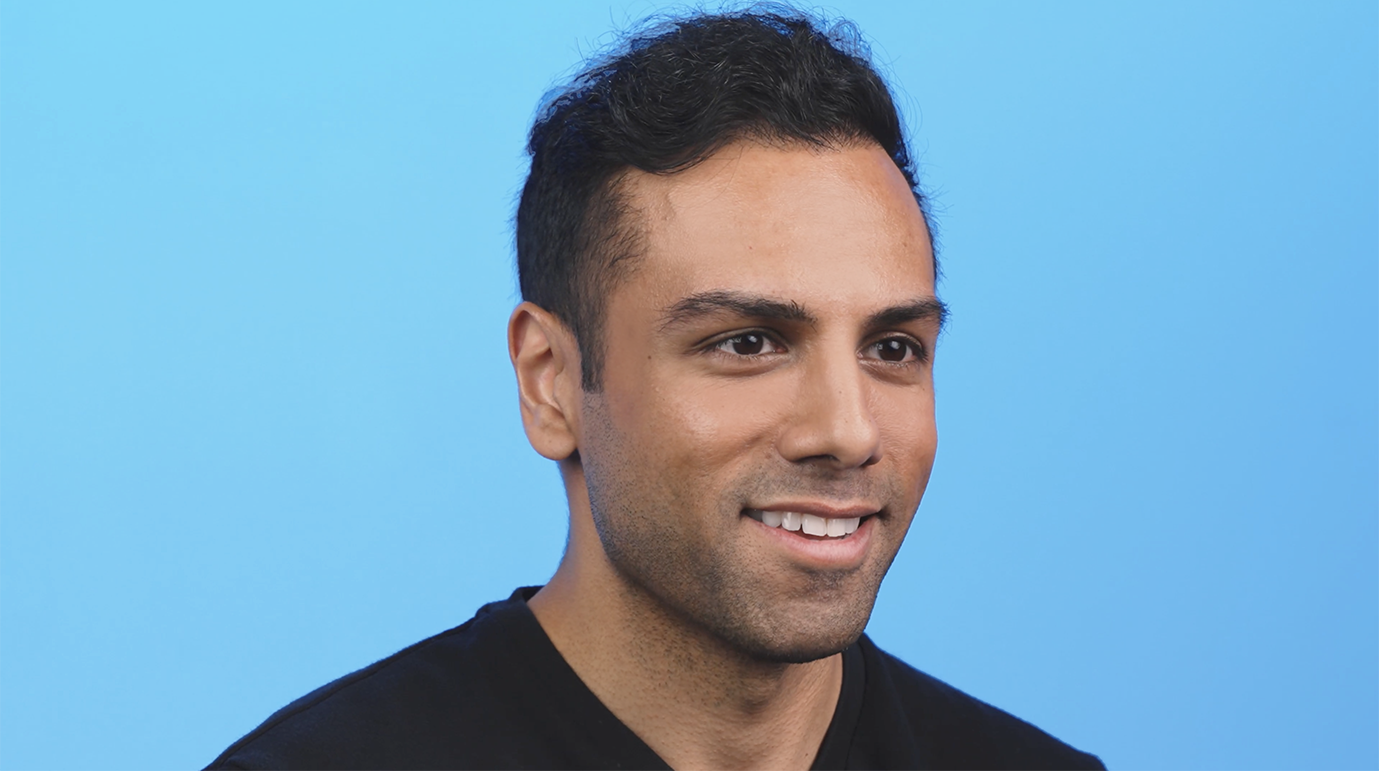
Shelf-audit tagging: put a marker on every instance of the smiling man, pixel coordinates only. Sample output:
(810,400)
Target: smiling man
(726,343)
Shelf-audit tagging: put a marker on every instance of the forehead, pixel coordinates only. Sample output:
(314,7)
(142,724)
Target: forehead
(823,227)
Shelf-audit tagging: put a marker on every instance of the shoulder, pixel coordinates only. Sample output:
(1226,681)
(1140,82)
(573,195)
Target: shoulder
(947,728)
(413,708)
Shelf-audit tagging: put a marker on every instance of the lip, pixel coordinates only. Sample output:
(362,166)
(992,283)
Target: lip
(822,509)
(820,553)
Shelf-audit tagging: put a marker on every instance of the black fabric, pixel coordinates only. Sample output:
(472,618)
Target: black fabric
(495,693)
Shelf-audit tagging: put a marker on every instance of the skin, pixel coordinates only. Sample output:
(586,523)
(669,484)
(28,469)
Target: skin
(771,349)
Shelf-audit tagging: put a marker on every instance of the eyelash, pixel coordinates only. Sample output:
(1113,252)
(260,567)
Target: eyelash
(722,345)
(916,348)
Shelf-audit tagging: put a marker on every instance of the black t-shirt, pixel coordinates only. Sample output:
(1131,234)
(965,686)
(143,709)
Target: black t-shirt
(495,693)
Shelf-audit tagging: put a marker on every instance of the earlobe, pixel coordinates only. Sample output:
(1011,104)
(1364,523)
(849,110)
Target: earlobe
(546,362)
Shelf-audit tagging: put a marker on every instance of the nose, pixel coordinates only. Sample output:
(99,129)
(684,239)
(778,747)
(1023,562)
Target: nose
(832,421)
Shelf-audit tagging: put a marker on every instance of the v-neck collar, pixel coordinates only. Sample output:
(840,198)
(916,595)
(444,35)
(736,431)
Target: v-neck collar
(575,720)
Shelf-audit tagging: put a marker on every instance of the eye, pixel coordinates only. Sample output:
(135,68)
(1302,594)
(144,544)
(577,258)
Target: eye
(748,344)
(896,350)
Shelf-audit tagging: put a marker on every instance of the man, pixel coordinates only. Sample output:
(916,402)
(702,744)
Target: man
(726,344)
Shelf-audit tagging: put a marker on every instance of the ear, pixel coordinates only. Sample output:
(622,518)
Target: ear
(545,358)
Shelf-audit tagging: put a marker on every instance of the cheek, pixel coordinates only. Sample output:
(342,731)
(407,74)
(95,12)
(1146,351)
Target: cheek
(910,436)
(687,448)
(720,423)
(694,430)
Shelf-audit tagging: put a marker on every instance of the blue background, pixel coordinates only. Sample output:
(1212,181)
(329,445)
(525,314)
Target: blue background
(259,428)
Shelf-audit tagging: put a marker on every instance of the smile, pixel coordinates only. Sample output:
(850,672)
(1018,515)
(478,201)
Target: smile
(808,524)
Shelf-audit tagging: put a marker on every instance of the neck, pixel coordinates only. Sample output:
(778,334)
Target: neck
(695,700)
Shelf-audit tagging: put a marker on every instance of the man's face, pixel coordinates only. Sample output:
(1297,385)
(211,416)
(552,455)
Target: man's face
(768,366)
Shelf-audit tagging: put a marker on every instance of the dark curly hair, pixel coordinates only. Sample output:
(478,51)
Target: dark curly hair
(667,99)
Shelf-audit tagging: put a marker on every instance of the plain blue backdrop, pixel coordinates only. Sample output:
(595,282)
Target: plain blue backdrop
(258,428)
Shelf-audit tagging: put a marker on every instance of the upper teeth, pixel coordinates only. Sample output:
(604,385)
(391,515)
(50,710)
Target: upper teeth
(811,524)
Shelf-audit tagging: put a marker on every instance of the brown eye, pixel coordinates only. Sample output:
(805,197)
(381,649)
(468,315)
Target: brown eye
(749,344)
(893,350)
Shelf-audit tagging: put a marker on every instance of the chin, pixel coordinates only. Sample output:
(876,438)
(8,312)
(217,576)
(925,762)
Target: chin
(803,654)
(799,641)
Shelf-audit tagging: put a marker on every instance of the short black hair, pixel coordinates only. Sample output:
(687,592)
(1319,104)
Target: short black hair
(668,98)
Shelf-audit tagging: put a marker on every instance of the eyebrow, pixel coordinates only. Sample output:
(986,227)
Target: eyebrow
(703,304)
(697,306)
(919,310)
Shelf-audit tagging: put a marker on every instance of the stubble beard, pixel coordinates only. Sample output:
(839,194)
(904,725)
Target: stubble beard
(710,590)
